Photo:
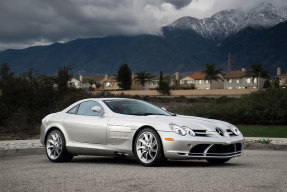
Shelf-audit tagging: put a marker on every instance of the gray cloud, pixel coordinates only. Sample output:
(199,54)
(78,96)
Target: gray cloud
(179,3)
(31,22)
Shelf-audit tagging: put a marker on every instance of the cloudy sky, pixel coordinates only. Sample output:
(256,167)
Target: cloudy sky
(25,23)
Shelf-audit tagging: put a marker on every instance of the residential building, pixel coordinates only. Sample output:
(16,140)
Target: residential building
(281,78)
(110,83)
(239,80)
(187,82)
(85,82)
(197,81)
(152,83)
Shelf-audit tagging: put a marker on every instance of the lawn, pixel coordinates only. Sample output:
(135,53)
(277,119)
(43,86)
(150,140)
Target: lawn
(273,131)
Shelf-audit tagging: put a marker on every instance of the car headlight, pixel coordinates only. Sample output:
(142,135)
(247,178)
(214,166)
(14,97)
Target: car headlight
(181,130)
(235,130)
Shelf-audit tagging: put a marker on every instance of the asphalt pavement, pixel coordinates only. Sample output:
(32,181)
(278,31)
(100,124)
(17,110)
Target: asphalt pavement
(256,170)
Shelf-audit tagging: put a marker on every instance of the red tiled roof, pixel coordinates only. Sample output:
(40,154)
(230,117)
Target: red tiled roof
(235,74)
(197,75)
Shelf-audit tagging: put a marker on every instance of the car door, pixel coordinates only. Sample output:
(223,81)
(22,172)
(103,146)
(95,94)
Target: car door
(86,126)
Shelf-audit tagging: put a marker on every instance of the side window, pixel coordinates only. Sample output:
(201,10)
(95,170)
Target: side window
(73,110)
(86,108)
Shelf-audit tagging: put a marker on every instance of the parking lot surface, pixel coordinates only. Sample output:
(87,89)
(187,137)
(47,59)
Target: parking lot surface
(256,170)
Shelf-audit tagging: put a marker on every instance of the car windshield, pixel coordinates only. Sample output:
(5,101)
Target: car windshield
(134,107)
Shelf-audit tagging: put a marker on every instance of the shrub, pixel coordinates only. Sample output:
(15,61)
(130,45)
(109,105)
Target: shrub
(261,107)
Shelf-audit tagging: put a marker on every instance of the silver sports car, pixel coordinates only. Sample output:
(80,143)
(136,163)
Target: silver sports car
(134,128)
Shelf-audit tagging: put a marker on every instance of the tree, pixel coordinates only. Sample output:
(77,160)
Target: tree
(257,71)
(64,75)
(163,85)
(124,77)
(142,77)
(211,73)
(267,83)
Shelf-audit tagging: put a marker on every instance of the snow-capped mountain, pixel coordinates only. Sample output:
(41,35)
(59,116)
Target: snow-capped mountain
(227,22)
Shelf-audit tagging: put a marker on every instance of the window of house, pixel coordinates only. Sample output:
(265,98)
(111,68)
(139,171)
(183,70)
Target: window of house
(237,80)
(255,80)
(229,80)
(248,80)
(199,82)
(206,81)
(109,84)
(189,82)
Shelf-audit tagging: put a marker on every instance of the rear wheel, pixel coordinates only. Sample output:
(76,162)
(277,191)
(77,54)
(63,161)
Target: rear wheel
(148,148)
(55,146)
(218,161)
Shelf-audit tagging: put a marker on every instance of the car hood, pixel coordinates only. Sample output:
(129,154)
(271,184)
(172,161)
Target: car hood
(194,122)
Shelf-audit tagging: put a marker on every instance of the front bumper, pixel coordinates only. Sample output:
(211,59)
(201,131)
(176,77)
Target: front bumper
(197,147)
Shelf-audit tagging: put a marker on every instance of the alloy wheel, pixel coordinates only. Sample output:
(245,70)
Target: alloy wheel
(146,147)
(54,145)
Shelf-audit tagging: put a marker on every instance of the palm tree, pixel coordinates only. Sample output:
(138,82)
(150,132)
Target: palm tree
(142,77)
(257,71)
(211,73)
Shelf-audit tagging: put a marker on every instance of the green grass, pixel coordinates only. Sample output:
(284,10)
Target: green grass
(273,131)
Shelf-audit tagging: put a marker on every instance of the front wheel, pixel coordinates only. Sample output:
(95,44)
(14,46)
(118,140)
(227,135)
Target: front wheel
(148,148)
(218,161)
(56,147)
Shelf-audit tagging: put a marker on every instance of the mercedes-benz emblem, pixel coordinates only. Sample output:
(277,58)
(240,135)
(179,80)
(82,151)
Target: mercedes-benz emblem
(219,131)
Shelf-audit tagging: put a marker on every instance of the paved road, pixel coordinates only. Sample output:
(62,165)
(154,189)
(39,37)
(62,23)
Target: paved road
(256,170)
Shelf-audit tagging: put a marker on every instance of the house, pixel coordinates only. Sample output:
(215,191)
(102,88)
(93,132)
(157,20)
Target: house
(281,78)
(187,82)
(76,83)
(239,80)
(96,81)
(197,81)
(86,82)
(110,83)
(152,83)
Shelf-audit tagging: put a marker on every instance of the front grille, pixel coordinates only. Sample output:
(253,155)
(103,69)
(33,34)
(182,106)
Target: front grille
(230,133)
(221,150)
(238,146)
(218,150)
(199,148)
(200,133)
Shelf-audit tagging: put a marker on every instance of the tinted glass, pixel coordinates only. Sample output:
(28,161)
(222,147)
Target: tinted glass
(133,107)
(86,108)
(74,110)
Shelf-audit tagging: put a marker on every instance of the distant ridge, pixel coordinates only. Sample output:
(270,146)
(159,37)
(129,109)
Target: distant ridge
(180,48)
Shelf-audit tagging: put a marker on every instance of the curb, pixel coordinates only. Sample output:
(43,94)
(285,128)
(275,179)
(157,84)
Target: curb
(41,151)
(260,146)
(21,152)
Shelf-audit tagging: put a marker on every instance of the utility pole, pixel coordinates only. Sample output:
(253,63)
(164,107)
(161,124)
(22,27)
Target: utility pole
(229,62)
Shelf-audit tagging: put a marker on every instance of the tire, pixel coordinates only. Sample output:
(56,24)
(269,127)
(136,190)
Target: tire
(218,161)
(148,148)
(55,147)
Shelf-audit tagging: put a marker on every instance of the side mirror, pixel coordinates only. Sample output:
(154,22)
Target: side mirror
(97,109)
(163,108)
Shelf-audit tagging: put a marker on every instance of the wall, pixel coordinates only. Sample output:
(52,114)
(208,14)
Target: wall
(211,92)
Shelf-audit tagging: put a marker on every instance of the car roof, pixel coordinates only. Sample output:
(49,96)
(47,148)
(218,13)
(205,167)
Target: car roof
(109,98)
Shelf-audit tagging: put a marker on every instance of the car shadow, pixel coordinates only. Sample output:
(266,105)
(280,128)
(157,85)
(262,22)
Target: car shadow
(133,162)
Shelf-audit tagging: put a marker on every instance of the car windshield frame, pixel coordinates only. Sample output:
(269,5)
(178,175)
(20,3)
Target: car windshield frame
(129,107)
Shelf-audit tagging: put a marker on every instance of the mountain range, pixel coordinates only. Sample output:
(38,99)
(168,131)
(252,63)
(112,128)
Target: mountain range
(254,36)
